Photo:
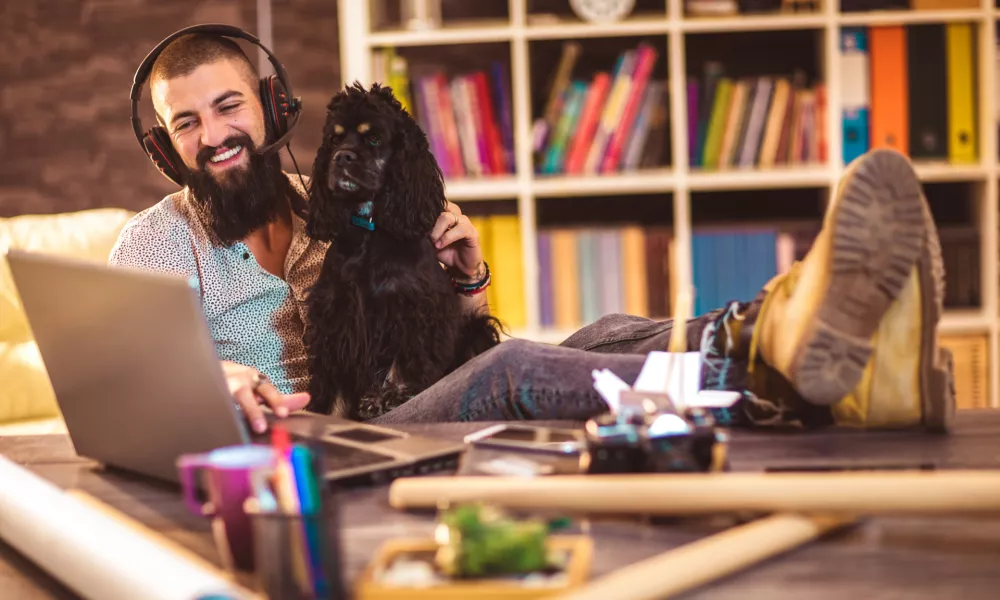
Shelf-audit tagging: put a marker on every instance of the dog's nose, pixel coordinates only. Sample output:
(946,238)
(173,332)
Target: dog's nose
(344,157)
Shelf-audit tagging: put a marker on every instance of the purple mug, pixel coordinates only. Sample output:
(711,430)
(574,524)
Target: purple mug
(227,475)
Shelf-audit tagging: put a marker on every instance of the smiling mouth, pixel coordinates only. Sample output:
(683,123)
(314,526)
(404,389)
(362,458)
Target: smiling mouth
(227,157)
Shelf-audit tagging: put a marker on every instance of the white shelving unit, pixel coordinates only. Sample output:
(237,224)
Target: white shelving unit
(357,41)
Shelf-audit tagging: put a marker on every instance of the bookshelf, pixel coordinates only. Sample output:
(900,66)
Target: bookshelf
(523,31)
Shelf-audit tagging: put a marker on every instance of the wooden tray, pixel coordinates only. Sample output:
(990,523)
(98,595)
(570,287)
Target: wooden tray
(577,572)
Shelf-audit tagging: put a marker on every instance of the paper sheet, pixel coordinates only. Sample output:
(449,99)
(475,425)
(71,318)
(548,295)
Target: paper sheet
(678,374)
(93,553)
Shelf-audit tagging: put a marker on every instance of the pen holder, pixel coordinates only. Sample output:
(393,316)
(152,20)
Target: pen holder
(298,557)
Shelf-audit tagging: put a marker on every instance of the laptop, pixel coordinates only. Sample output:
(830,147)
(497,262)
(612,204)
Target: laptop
(137,379)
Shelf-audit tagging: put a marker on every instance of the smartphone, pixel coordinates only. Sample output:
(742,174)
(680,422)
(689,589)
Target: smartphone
(528,437)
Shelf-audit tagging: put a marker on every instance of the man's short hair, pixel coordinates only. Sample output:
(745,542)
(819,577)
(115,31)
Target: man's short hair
(188,52)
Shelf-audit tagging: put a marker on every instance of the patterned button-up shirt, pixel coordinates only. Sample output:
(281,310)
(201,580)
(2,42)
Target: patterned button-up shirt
(256,318)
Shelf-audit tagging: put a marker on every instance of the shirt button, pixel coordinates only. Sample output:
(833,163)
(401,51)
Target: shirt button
(246,256)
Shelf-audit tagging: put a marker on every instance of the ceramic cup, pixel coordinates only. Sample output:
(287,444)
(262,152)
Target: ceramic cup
(226,478)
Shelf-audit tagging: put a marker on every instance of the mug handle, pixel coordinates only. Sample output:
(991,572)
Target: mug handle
(189,465)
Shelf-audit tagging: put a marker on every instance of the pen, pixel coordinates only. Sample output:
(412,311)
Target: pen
(288,501)
(309,504)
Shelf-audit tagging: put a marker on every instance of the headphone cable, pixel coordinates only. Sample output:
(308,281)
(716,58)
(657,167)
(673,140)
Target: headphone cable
(297,171)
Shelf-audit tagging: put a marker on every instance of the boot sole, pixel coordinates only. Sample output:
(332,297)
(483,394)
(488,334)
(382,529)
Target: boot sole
(879,232)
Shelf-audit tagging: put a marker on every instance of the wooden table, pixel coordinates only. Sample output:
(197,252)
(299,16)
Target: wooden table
(882,558)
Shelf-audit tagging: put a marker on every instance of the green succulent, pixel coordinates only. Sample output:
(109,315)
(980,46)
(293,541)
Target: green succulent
(478,541)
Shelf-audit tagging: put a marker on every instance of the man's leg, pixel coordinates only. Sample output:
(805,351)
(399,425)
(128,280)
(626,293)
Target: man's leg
(523,380)
(518,380)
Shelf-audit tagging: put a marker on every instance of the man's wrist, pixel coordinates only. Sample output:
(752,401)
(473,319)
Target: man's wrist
(477,275)
(474,286)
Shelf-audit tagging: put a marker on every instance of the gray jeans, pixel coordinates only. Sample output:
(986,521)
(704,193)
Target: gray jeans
(524,380)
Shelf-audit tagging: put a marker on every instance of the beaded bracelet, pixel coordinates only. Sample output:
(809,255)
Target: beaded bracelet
(471,289)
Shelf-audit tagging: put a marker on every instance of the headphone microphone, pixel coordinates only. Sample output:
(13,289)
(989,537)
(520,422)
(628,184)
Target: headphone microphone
(281,109)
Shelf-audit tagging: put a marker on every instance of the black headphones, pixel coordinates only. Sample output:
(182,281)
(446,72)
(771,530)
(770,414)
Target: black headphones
(281,109)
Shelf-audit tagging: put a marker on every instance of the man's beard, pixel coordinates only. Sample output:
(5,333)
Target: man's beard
(248,198)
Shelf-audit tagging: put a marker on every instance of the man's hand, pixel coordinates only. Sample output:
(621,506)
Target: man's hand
(457,242)
(242,379)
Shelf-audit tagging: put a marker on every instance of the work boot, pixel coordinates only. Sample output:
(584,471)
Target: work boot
(853,326)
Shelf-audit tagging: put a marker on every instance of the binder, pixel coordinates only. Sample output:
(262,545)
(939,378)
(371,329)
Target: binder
(928,91)
(961,64)
(890,104)
(855,96)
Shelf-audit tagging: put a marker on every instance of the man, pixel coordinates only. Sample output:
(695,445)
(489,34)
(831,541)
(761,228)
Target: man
(806,339)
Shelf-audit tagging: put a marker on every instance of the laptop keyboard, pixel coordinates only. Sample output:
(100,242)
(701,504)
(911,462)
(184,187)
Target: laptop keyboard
(339,456)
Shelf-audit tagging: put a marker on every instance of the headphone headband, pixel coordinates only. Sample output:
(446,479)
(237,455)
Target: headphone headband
(223,30)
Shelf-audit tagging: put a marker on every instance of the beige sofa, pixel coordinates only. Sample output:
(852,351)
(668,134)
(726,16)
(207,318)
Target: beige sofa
(27,403)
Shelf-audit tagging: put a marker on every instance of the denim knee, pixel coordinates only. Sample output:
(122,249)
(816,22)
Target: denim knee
(511,355)
(615,328)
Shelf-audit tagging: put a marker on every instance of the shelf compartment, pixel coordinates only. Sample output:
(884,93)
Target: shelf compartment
(572,137)
(455,32)
(629,182)
(905,17)
(773,22)
(748,179)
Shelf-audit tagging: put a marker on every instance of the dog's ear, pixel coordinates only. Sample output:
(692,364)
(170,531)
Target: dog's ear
(325,215)
(412,197)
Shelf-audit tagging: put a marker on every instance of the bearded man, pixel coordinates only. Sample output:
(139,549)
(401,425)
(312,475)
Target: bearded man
(236,232)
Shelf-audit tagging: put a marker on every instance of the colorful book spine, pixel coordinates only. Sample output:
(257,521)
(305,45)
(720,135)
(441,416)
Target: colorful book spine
(963,144)
(855,96)
(583,137)
(546,312)
(646,57)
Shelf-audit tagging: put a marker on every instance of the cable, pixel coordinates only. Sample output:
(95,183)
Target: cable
(295,162)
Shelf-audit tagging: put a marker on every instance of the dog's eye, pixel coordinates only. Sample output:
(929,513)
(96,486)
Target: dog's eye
(374,140)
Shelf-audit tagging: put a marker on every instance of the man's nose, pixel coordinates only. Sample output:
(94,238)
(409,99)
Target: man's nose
(213,132)
(344,157)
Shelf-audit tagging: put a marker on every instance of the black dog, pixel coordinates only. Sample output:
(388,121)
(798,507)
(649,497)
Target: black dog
(385,319)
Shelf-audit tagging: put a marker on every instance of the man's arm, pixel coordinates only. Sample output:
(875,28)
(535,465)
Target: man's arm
(457,242)
(155,241)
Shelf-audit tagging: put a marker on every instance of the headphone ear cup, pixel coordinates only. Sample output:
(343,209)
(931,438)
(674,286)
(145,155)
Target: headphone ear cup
(275,102)
(161,152)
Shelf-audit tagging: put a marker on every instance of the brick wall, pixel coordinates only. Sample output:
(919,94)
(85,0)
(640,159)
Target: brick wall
(66,67)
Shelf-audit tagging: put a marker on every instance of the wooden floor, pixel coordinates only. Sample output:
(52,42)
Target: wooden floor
(881,558)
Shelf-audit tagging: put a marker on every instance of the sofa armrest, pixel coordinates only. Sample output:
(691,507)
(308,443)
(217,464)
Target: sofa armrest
(26,392)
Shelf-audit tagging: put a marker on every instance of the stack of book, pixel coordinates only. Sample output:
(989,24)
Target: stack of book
(467,118)
(587,272)
(614,121)
(911,88)
(500,240)
(754,122)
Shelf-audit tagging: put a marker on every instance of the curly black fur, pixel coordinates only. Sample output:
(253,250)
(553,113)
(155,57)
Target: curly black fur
(385,321)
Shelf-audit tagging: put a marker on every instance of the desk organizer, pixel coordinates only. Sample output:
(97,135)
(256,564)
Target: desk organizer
(373,584)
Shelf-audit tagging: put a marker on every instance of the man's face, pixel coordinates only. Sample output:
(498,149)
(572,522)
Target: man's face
(206,113)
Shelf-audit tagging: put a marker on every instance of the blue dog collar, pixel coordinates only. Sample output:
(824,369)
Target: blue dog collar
(364,217)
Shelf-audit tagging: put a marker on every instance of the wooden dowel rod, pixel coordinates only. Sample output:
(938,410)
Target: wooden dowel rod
(709,559)
(951,492)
